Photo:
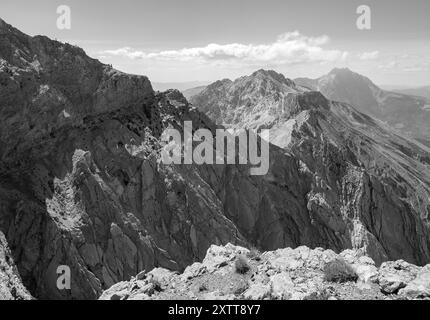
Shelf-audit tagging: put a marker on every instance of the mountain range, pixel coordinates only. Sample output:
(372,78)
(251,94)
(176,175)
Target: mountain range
(82,184)
(421,91)
(409,114)
(353,159)
(406,110)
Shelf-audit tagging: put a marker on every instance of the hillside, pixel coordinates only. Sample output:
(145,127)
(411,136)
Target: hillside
(408,114)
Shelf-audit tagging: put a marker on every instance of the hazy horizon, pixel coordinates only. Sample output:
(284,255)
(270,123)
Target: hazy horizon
(201,41)
(184,85)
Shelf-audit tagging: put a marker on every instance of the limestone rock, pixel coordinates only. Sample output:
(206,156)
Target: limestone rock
(257,292)
(11,287)
(266,280)
(395,275)
(117,292)
(221,255)
(418,287)
(282,286)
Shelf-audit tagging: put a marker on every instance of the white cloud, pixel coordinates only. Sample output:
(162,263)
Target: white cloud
(389,65)
(417,67)
(369,55)
(289,48)
(406,66)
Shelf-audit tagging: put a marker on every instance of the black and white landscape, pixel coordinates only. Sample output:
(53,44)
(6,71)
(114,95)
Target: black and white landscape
(342,213)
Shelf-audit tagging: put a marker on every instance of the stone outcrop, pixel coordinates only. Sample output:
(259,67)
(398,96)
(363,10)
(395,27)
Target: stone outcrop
(11,287)
(283,274)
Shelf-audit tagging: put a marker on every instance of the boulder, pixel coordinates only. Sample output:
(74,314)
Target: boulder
(11,287)
(418,287)
(282,287)
(257,291)
(395,275)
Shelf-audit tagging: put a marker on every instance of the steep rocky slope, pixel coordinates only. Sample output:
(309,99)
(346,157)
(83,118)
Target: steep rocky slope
(369,186)
(188,93)
(284,274)
(408,114)
(82,185)
(11,287)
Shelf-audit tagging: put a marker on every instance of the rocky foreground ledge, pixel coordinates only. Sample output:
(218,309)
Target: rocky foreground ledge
(236,273)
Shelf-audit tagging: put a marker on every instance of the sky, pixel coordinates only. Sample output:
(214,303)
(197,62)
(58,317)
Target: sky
(207,40)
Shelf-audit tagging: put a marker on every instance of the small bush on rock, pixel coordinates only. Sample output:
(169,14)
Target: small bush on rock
(156,285)
(241,264)
(203,287)
(340,271)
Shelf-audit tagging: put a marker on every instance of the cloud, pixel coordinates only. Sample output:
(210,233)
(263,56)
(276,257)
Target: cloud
(389,65)
(406,66)
(288,48)
(369,55)
(417,67)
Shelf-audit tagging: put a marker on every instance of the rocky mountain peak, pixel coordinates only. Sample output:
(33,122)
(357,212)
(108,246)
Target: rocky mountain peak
(341,71)
(219,84)
(274,76)
(257,100)
(39,52)
(342,79)
(7,28)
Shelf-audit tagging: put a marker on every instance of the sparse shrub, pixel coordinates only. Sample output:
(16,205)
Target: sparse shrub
(241,264)
(156,285)
(203,287)
(340,271)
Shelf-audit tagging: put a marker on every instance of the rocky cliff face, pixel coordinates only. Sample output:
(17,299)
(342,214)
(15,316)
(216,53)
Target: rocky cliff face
(408,114)
(284,274)
(82,184)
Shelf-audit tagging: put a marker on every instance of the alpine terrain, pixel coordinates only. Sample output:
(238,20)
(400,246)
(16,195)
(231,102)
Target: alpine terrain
(82,184)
